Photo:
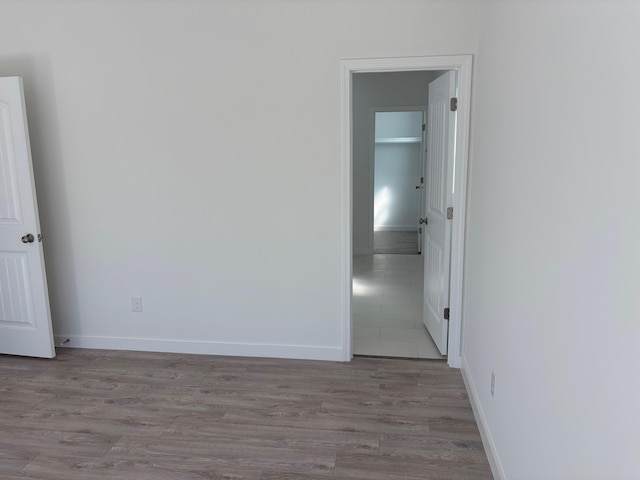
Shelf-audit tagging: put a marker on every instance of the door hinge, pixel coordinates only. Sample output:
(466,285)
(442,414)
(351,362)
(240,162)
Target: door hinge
(420,230)
(454,104)
(424,127)
(421,179)
(446,313)
(449,213)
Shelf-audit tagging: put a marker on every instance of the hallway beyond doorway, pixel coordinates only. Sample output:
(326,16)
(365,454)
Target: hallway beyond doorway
(387,307)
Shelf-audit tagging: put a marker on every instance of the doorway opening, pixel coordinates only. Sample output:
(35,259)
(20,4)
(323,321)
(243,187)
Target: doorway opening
(387,306)
(460,67)
(397,147)
(388,295)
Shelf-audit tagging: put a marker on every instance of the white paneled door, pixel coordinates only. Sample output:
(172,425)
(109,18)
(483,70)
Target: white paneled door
(25,317)
(438,198)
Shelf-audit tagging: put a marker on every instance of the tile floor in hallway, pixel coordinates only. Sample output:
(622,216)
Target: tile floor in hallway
(387,307)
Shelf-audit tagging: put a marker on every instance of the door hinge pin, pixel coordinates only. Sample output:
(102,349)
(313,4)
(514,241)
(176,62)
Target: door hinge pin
(446,313)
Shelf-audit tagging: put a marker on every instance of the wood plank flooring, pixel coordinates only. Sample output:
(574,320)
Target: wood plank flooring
(100,414)
(388,242)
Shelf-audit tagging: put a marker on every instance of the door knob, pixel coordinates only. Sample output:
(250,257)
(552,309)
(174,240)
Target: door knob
(423,221)
(28,238)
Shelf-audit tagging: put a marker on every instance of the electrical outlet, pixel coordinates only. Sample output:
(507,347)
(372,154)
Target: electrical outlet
(493,383)
(136,304)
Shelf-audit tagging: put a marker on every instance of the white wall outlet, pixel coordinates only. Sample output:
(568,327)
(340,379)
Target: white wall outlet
(136,304)
(493,383)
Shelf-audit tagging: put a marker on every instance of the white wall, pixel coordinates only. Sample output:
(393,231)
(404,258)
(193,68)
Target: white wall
(552,289)
(397,169)
(395,198)
(189,152)
(376,90)
(151,183)
(399,124)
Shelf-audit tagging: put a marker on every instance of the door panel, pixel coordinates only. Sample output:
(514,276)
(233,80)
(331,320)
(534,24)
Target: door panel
(9,199)
(15,294)
(422,186)
(439,181)
(25,318)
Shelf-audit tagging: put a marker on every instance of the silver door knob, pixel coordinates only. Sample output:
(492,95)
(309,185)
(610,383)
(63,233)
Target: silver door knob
(28,238)
(423,221)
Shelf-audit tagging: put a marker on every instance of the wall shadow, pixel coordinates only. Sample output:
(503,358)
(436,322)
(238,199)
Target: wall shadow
(51,187)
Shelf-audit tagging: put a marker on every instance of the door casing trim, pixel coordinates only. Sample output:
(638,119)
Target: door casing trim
(462,64)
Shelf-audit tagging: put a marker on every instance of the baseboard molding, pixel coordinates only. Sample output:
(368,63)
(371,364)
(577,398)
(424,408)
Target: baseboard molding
(201,348)
(395,228)
(487,439)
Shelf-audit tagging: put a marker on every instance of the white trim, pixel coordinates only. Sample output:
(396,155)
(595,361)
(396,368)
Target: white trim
(397,140)
(456,287)
(462,64)
(201,348)
(395,228)
(399,108)
(346,203)
(478,413)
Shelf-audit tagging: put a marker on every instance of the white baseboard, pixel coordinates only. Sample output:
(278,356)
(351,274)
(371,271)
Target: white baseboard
(395,228)
(478,413)
(201,348)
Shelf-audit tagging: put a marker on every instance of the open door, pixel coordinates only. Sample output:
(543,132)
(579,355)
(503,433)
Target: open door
(25,317)
(438,198)
(421,185)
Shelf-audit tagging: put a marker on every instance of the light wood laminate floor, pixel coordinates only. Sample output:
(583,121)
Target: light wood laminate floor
(99,414)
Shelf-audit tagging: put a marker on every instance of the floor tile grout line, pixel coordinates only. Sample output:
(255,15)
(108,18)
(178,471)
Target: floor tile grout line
(408,265)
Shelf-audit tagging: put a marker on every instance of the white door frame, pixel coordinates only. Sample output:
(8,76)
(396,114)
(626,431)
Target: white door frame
(462,64)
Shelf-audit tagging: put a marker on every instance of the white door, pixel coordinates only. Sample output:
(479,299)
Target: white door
(25,318)
(421,185)
(439,196)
